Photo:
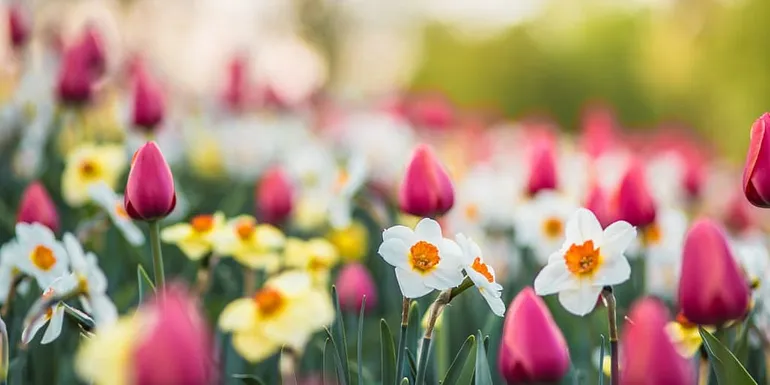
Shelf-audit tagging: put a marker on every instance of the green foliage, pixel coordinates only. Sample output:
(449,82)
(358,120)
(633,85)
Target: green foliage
(483,375)
(387,355)
(728,369)
(248,379)
(143,282)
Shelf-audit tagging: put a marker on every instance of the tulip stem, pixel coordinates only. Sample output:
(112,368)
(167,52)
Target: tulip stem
(612,322)
(704,370)
(157,255)
(402,340)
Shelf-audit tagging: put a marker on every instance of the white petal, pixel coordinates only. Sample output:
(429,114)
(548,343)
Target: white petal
(28,334)
(583,226)
(395,252)
(443,279)
(617,237)
(580,301)
(75,252)
(555,278)
(411,284)
(398,232)
(54,326)
(131,232)
(104,311)
(613,272)
(494,301)
(429,230)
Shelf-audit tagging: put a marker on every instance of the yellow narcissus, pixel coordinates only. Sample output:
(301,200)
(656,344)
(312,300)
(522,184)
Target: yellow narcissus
(194,238)
(256,246)
(286,311)
(89,165)
(316,256)
(106,359)
(352,242)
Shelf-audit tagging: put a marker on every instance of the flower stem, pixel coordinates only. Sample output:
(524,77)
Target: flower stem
(157,256)
(436,308)
(402,340)
(704,370)
(467,283)
(612,321)
(422,363)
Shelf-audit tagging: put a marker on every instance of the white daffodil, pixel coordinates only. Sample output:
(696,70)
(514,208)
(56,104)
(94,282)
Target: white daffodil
(423,258)
(482,275)
(112,204)
(8,270)
(53,317)
(661,243)
(90,281)
(540,223)
(590,259)
(39,254)
(485,197)
(349,181)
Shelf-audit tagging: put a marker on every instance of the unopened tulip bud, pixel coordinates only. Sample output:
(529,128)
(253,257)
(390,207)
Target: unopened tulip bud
(149,104)
(426,189)
(712,290)
(598,204)
(739,215)
(36,206)
(532,349)
(648,357)
(75,79)
(93,48)
(236,95)
(176,348)
(542,168)
(18,25)
(635,203)
(756,173)
(433,112)
(274,197)
(353,283)
(149,193)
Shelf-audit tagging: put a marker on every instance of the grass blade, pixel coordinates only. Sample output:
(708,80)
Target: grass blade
(728,369)
(452,375)
(483,374)
(339,340)
(387,354)
(360,343)
(143,282)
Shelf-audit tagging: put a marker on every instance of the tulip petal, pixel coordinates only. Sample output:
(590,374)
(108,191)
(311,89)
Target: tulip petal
(580,301)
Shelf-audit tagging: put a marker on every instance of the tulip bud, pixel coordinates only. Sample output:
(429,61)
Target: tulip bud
(648,357)
(712,289)
(635,203)
(75,81)
(149,105)
(36,206)
(353,283)
(275,197)
(739,215)
(93,49)
(149,193)
(426,190)
(176,348)
(236,93)
(433,112)
(756,173)
(532,349)
(18,25)
(542,168)
(598,204)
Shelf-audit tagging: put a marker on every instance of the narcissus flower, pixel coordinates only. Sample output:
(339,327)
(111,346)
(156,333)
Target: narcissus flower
(426,189)
(285,312)
(89,165)
(482,274)
(353,283)
(112,204)
(36,206)
(634,201)
(532,349)
(349,181)
(39,254)
(540,223)
(89,281)
(712,289)
(317,256)
(149,193)
(589,260)
(423,258)
(256,246)
(53,316)
(274,197)
(756,173)
(195,238)
(352,242)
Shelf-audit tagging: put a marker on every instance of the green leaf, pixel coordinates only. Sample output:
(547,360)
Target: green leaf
(741,347)
(387,355)
(413,332)
(143,282)
(486,344)
(324,363)
(728,369)
(339,367)
(404,381)
(452,376)
(483,374)
(339,340)
(248,379)
(360,343)
(412,361)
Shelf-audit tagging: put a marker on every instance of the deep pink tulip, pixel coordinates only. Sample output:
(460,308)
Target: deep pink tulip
(542,168)
(756,173)
(149,193)
(274,197)
(739,215)
(634,202)
(712,289)
(175,348)
(426,189)
(237,93)
(36,206)
(149,102)
(92,44)
(431,111)
(533,349)
(353,283)
(18,25)
(76,80)
(597,202)
(598,131)
(648,357)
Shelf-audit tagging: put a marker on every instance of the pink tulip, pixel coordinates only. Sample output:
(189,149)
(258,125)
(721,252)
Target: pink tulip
(36,206)
(18,25)
(533,349)
(237,93)
(175,347)
(598,204)
(75,81)
(739,215)
(712,289)
(648,357)
(149,103)
(635,203)
(542,167)
(426,189)
(92,44)
(431,111)
(149,193)
(756,173)
(274,196)
(353,283)
(598,135)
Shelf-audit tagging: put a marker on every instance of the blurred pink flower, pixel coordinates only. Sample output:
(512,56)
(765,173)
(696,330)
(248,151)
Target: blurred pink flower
(354,282)
(756,173)
(149,193)
(634,202)
(274,197)
(19,24)
(542,167)
(149,103)
(426,189)
(36,206)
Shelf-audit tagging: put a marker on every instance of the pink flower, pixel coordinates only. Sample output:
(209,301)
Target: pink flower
(635,203)
(36,206)
(274,196)
(756,173)
(237,94)
(597,202)
(426,189)
(149,193)
(75,81)
(149,103)
(542,167)
(533,349)
(18,25)
(353,283)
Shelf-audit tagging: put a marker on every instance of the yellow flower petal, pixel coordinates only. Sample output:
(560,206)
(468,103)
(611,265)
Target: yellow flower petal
(105,359)
(254,346)
(176,233)
(351,242)
(238,315)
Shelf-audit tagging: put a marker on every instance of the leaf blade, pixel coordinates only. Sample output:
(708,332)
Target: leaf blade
(728,369)
(452,376)
(483,374)
(387,354)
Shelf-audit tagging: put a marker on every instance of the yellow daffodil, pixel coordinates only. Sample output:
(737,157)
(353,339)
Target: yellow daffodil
(257,246)
(352,242)
(205,154)
(316,256)
(106,358)
(685,336)
(286,311)
(194,238)
(310,213)
(89,165)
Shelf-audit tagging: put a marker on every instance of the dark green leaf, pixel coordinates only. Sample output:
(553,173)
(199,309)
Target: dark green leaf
(601,361)
(339,367)
(412,361)
(452,376)
(404,381)
(248,379)
(360,343)
(387,355)
(483,374)
(144,283)
(413,332)
(728,369)
(339,340)
(325,363)
(741,346)
(486,344)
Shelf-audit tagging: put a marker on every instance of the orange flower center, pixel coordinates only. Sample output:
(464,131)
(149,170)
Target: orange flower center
(317,264)
(120,211)
(342,179)
(651,235)
(472,212)
(89,169)
(553,227)
(482,269)
(202,223)
(424,257)
(682,320)
(269,301)
(43,258)
(245,229)
(583,260)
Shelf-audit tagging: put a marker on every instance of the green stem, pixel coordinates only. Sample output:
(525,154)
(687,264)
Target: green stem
(157,256)
(442,347)
(402,341)
(422,363)
(612,321)
(467,283)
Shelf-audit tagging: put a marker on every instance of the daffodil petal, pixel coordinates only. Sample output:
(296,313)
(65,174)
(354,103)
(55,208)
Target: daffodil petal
(580,301)
(411,284)
(554,278)
(583,226)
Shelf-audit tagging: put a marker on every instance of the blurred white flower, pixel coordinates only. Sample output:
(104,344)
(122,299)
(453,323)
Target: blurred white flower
(349,181)
(482,274)
(112,204)
(751,252)
(661,244)
(90,282)
(540,223)
(39,254)
(485,198)
(53,316)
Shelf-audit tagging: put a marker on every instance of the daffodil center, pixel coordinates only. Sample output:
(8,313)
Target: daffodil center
(342,180)
(682,320)
(472,212)
(651,235)
(245,229)
(553,227)
(583,260)
(89,170)
(202,223)
(83,284)
(423,257)
(269,301)
(43,258)
(317,264)
(483,269)
(120,211)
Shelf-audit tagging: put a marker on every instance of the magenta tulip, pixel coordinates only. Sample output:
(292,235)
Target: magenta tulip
(149,193)
(635,203)
(36,206)
(426,189)
(597,202)
(353,283)
(18,25)
(75,81)
(756,173)
(149,103)
(542,168)
(274,197)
